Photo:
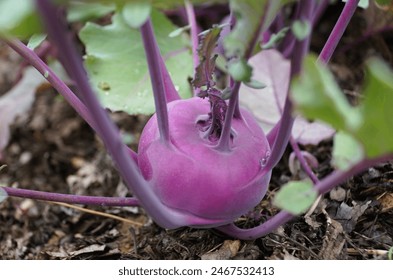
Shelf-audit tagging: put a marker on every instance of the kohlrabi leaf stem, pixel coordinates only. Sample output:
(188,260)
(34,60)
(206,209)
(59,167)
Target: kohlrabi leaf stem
(33,59)
(324,57)
(283,132)
(319,9)
(236,113)
(129,171)
(193,32)
(171,93)
(72,199)
(153,61)
(288,43)
(338,30)
(233,106)
(302,161)
(224,141)
(322,187)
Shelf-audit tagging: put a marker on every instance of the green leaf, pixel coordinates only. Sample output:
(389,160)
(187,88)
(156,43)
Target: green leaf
(347,151)
(376,131)
(249,14)
(240,70)
(317,96)
(179,31)
(117,66)
(365,3)
(296,197)
(3,195)
(18,18)
(36,40)
(390,254)
(301,29)
(252,16)
(384,2)
(255,84)
(275,38)
(80,11)
(136,13)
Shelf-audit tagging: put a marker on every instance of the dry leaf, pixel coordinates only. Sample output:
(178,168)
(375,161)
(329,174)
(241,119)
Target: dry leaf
(89,249)
(333,241)
(348,216)
(386,201)
(227,251)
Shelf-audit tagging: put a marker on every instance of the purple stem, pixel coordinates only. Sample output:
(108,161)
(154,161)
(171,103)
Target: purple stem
(236,113)
(288,43)
(324,57)
(194,32)
(322,187)
(72,199)
(306,167)
(278,23)
(31,57)
(164,216)
(153,61)
(319,9)
(338,30)
(283,132)
(171,93)
(224,142)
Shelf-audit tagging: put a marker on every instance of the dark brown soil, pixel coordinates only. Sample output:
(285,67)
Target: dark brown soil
(54,150)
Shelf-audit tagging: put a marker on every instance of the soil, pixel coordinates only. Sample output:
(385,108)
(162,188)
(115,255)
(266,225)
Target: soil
(52,149)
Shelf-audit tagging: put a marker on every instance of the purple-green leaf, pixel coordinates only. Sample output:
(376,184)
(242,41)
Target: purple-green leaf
(207,58)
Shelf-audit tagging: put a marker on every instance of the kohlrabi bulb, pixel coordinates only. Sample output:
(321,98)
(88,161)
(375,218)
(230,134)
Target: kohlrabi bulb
(191,175)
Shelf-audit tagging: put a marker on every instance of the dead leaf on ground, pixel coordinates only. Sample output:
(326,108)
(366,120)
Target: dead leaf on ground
(386,201)
(349,215)
(91,249)
(284,255)
(338,194)
(227,251)
(333,241)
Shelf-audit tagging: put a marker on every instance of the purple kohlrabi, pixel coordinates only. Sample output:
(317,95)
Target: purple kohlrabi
(191,174)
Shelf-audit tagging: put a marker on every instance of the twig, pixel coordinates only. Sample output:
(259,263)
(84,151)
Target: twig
(98,213)
(375,252)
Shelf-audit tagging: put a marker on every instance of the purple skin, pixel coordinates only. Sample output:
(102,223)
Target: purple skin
(191,164)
